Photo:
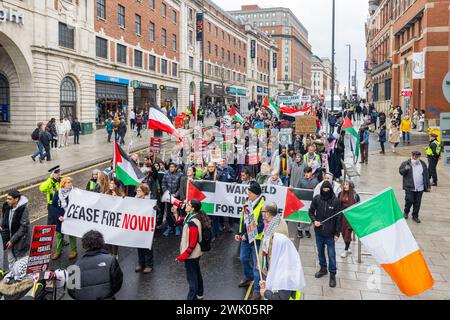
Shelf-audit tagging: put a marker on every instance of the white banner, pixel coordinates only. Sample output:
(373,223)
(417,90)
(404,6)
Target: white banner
(418,65)
(128,222)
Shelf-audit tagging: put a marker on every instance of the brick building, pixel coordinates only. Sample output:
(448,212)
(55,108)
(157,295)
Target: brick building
(291,37)
(397,30)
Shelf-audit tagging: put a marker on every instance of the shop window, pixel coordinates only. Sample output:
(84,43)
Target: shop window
(121,53)
(4,99)
(66,36)
(101,9)
(138,58)
(101,47)
(68,98)
(152,63)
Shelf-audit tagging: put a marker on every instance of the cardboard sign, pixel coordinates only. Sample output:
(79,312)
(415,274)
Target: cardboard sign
(305,125)
(155,144)
(40,249)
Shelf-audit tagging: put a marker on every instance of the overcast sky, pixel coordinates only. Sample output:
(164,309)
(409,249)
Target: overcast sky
(315,15)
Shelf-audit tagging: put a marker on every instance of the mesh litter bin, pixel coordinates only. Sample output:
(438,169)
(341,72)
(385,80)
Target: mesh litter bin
(86,128)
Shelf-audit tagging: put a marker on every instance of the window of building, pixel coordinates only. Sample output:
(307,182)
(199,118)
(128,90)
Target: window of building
(151,63)
(174,42)
(138,58)
(209,26)
(229,39)
(138,24)
(101,9)
(121,53)
(4,98)
(174,16)
(152,4)
(151,31)
(164,9)
(223,35)
(101,47)
(245,63)
(209,47)
(191,63)
(191,37)
(387,89)
(239,60)
(164,37)
(375,92)
(174,69)
(68,98)
(121,16)
(216,50)
(216,31)
(191,14)
(229,55)
(66,36)
(234,58)
(163,66)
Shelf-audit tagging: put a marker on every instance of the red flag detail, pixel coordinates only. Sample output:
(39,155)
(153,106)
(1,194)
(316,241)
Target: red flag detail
(293,204)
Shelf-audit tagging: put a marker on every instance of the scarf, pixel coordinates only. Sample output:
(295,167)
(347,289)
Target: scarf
(63,198)
(268,232)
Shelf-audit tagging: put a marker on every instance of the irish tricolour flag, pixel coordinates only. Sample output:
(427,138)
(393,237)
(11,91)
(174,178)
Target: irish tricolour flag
(272,106)
(348,127)
(126,170)
(236,116)
(380,226)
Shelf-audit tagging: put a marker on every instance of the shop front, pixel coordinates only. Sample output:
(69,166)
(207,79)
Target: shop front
(259,97)
(144,96)
(219,93)
(111,97)
(207,88)
(169,97)
(234,94)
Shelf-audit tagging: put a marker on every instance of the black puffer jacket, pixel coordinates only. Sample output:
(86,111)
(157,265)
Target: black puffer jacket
(19,233)
(171,182)
(322,209)
(101,276)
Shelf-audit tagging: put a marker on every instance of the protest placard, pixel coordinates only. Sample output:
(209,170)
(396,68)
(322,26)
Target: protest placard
(40,248)
(305,125)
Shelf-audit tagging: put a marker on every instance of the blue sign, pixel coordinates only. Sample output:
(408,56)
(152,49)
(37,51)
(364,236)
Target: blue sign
(258,124)
(100,77)
(266,90)
(259,89)
(4,112)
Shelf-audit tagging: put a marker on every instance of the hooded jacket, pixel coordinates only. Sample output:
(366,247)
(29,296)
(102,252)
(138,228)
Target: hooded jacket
(101,276)
(297,173)
(408,178)
(16,227)
(322,208)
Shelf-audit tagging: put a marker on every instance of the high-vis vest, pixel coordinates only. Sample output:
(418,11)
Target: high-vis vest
(316,158)
(438,149)
(295,296)
(256,213)
(49,187)
(92,185)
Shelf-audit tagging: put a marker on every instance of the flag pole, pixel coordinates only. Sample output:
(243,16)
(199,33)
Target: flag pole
(257,259)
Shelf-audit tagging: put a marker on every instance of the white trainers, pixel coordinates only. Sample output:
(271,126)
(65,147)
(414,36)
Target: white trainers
(349,251)
(344,254)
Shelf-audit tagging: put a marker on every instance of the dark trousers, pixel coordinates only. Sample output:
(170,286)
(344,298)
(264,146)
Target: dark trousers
(321,242)
(47,152)
(169,217)
(413,199)
(194,278)
(132,123)
(432,164)
(122,139)
(139,128)
(364,148)
(382,146)
(54,143)
(145,257)
(109,136)
(76,138)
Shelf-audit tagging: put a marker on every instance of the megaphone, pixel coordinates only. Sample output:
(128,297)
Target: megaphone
(167,197)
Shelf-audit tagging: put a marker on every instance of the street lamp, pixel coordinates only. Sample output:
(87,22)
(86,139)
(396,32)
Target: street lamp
(332,56)
(356,68)
(349,67)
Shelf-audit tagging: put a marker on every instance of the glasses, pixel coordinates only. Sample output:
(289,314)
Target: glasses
(139,190)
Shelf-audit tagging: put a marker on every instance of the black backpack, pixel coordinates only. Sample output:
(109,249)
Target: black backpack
(35,134)
(207,236)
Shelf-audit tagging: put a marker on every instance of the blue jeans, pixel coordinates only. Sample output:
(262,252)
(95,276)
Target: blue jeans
(321,241)
(285,180)
(216,221)
(406,136)
(40,151)
(250,269)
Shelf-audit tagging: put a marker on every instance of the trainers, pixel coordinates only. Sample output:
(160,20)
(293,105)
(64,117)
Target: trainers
(344,254)
(308,234)
(349,251)
(300,234)
(405,215)
(332,279)
(138,269)
(73,255)
(416,220)
(200,297)
(322,272)
(33,158)
(147,270)
(244,283)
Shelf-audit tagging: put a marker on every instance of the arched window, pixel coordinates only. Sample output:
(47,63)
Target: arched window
(68,98)
(4,99)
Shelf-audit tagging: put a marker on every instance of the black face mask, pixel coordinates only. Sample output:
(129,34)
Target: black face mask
(326,195)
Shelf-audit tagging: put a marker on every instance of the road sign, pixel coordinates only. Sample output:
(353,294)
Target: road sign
(446,87)
(406,93)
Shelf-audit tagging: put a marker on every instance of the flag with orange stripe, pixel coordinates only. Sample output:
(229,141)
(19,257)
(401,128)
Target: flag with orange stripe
(380,226)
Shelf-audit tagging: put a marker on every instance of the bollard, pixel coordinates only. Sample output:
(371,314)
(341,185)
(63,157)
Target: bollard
(359,251)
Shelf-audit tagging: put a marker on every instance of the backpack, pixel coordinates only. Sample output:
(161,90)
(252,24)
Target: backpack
(207,236)
(35,134)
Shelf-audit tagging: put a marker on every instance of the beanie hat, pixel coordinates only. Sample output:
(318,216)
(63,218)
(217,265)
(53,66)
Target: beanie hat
(255,188)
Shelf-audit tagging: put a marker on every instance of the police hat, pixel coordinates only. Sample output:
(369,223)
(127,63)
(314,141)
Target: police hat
(433,135)
(416,153)
(55,169)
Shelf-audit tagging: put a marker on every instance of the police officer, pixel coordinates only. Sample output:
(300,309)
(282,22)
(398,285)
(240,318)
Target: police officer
(92,183)
(50,186)
(433,155)
(256,202)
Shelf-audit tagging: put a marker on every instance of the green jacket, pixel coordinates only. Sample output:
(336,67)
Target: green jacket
(49,187)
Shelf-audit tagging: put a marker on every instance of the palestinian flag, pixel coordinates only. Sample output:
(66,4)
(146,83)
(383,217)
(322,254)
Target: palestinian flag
(297,205)
(236,116)
(290,112)
(380,226)
(272,106)
(348,127)
(157,120)
(204,191)
(126,170)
